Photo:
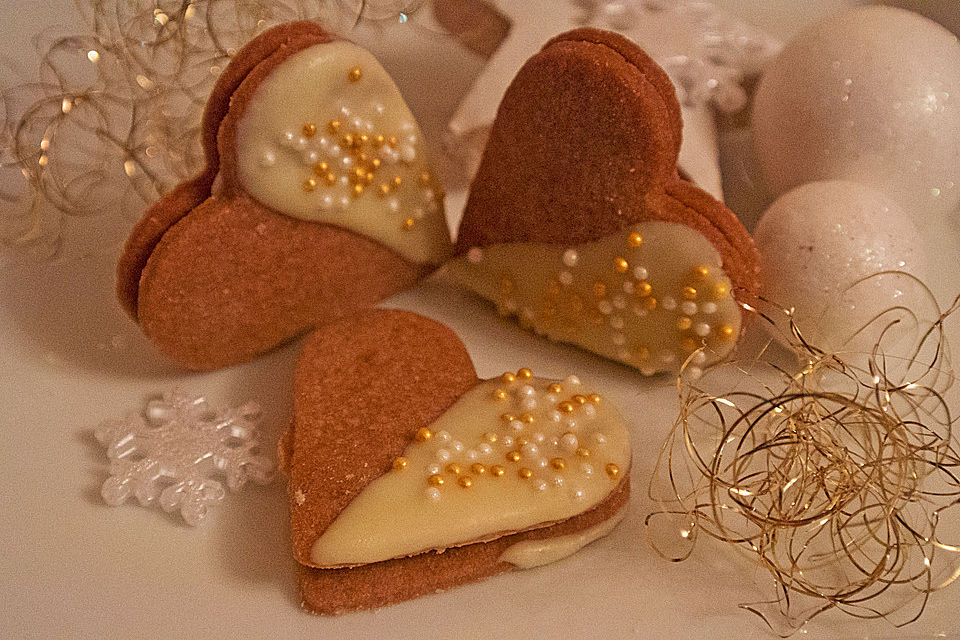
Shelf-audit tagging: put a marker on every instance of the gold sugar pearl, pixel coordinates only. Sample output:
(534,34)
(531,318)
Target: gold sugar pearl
(309,130)
(565,407)
(583,452)
(477,469)
(497,471)
(507,377)
(613,470)
(424,179)
(513,456)
(408,224)
(368,178)
(378,140)
(521,441)
(688,345)
(435,480)
(684,323)
(580,399)
(499,394)
(524,373)
(634,240)
(558,463)
(643,353)
(643,288)
(649,304)
(525,473)
(375,162)
(392,141)
(333,126)
(465,482)
(357,190)
(309,184)
(330,179)
(725,331)
(506,417)
(364,138)
(689,293)
(397,181)
(701,272)
(620,264)
(423,434)
(320,169)
(399,463)
(528,418)
(354,74)
(720,290)
(554,388)
(595,398)
(383,191)
(453,468)
(491,437)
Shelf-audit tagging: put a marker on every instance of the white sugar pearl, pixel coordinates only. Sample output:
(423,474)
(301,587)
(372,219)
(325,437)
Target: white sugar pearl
(639,311)
(605,307)
(699,358)
(408,153)
(443,455)
(393,204)
(428,194)
(647,370)
(599,438)
(357,123)
(529,403)
(688,307)
(628,286)
(566,278)
(693,373)
(457,446)
(323,142)
(347,161)
(529,450)
(379,108)
(289,136)
(570,423)
(702,329)
(569,441)
(640,273)
(471,454)
(335,150)
(300,143)
(541,485)
(344,180)
(619,302)
(579,494)
(572,380)
(326,202)
(475,255)
(623,354)
(618,339)
(589,410)
(557,480)
(433,494)
(269,159)
(554,416)
(539,437)
(516,425)
(406,126)
(310,157)
(443,436)
(570,258)
(554,442)
(587,469)
(542,463)
(669,303)
(344,202)
(433,468)
(507,441)
(667,357)
(412,139)
(484,449)
(526,390)
(345,111)
(708,308)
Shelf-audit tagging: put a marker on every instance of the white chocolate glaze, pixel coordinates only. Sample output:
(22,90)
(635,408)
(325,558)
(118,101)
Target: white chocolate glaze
(327,137)
(536,553)
(647,296)
(513,453)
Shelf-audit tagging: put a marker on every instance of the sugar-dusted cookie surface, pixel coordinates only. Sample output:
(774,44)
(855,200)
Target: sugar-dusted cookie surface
(406,474)
(584,147)
(316,199)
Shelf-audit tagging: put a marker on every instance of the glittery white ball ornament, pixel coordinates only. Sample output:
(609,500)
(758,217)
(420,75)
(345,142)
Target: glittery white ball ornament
(871,95)
(818,240)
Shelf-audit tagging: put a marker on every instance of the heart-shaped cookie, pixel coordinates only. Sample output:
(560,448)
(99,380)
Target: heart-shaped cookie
(407,474)
(579,223)
(316,199)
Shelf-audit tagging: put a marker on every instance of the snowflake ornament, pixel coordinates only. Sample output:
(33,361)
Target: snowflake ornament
(172,450)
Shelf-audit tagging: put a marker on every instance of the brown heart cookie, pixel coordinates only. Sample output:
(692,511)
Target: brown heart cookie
(407,474)
(315,200)
(578,222)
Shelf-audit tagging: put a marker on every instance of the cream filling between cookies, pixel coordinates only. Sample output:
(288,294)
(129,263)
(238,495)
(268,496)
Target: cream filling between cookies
(649,296)
(536,553)
(327,137)
(512,454)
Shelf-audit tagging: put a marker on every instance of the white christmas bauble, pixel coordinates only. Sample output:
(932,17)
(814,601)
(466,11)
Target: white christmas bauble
(872,95)
(817,241)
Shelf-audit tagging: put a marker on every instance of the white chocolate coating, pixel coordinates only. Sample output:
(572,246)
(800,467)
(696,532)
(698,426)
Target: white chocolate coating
(536,553)
(327,137)
(509,455)
(647,296)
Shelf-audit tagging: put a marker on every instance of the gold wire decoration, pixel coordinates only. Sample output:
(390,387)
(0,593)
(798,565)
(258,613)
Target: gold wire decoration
(841,478)
(113,121)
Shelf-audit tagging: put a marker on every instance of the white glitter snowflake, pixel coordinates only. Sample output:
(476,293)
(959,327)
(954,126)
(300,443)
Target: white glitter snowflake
(170,451)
